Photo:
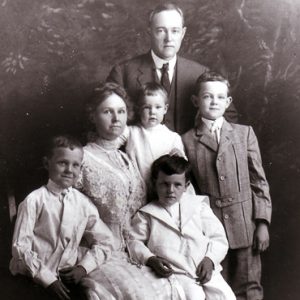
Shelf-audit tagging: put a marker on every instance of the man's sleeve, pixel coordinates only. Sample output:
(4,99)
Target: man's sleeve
(116,75)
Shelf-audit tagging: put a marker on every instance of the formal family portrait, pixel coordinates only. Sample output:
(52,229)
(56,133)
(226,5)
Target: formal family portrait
(149,149)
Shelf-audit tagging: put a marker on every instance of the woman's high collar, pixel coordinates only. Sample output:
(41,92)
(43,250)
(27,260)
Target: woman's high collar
(107,144)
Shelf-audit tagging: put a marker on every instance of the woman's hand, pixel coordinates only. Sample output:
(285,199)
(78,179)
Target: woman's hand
(160,266)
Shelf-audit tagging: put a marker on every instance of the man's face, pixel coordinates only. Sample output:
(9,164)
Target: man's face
(167,33)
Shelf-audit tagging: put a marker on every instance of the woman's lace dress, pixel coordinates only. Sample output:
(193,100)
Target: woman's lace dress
(109,178)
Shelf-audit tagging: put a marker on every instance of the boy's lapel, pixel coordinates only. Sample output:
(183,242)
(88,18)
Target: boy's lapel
(225,137)
(205,137)
(158,212)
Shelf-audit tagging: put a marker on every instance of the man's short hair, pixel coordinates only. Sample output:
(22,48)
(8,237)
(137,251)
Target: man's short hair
(61,141)
(210,76)
(163,7)
(170,165)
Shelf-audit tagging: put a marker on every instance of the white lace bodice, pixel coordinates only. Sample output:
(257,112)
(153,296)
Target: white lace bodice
(109,178)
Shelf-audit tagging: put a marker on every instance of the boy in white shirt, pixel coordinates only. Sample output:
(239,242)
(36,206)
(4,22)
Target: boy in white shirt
(178,235)
(53,220)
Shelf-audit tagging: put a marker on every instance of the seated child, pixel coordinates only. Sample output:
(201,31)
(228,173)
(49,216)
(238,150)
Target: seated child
(150,139)
(227,167)
(52,221)
(178,235)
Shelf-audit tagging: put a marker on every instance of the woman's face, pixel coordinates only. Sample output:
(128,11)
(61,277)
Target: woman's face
(110,117)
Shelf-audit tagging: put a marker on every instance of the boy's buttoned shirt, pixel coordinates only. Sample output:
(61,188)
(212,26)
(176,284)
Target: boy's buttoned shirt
(231,174)
(50,225)
(156,233)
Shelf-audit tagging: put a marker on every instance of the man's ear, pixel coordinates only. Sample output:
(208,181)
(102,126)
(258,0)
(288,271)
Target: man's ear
(195,100)
(183,32)
(45,162)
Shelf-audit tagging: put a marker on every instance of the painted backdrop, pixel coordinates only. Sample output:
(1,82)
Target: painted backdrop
(53,51)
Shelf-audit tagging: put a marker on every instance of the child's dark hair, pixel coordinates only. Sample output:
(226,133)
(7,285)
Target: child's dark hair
(170,164)
(61,141)
(148,89)
(210,76)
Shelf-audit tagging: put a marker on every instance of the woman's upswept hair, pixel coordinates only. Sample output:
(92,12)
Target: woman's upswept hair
(102,92)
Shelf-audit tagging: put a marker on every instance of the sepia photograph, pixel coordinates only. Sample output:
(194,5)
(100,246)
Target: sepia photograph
(149,149)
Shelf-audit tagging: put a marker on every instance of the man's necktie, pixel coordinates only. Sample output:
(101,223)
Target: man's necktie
(165,81)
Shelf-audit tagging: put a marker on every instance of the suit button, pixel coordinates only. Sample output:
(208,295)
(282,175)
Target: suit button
(222,178)
(219,158)
(230,199)
(226,216)
(218,203)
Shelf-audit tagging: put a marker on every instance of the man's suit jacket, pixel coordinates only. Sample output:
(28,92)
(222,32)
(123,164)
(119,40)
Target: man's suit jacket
(133,73)
(231,174)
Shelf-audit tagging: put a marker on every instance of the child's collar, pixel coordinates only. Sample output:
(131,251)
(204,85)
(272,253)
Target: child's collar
(55,188)
(218,122)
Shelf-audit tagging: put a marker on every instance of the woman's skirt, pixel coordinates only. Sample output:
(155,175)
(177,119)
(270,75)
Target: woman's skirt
(119,279)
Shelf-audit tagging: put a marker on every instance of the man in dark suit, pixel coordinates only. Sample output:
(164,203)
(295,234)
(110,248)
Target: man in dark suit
(161,64)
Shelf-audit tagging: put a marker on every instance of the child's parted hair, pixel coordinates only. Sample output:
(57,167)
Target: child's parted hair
(102,92)
(210,76)
(61,141)
(148,89)
(170,165)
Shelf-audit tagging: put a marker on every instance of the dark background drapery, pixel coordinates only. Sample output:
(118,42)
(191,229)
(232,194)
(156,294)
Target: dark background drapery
(53,52)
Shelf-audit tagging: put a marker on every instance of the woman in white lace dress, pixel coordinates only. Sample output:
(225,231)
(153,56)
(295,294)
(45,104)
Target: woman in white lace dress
(113,183)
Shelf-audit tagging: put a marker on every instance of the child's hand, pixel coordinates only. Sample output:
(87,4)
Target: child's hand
(72,275)
(261,237)
(204,270)
(58,289)
(160,266)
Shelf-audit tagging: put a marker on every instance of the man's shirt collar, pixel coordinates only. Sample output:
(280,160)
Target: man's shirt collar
(159,62)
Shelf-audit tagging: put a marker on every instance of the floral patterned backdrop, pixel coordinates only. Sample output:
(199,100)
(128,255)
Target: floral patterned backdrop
(53,51)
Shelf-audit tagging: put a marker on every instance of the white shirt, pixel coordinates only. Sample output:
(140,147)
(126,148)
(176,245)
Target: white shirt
(48,231)
(159,64)
(214,125)
(144,146)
